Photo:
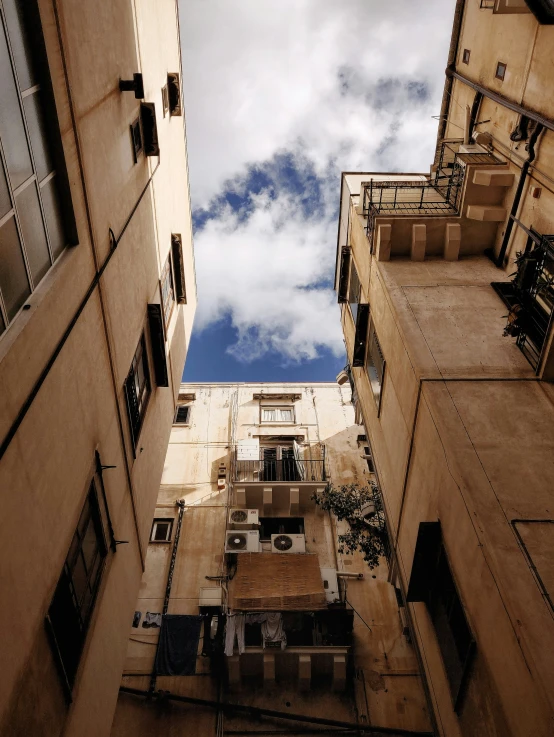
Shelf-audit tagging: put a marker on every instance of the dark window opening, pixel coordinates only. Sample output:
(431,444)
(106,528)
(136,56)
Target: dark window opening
(161,530)
(280,464)
(178,268)
(280,526)
(174,93)
(137,389)
(432,581)
(71,608)
(500,70)
(465,56)
(344,274)
(182,415)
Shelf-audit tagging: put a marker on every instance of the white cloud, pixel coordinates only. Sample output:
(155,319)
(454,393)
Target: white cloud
(336,85)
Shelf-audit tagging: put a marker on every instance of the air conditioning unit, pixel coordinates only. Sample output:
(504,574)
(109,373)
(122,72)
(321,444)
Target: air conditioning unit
(243,519)
(330,584)
(471,148)
(242,541)
(288,543)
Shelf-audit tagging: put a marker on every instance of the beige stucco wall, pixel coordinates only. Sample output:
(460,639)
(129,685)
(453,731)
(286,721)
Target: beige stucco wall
(46,471)
(221,416)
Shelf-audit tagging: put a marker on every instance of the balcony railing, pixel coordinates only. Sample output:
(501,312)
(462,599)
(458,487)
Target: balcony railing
(438,195)
(288,469)
(530,296)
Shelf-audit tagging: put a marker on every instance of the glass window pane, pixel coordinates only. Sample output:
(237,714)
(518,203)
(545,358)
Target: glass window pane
(34,235)
(20,42)
(79,578)
(52,210)
(5,202)
(13,277)
(37,132)
(89,546)
(286,415)
(2,324)
(12,130)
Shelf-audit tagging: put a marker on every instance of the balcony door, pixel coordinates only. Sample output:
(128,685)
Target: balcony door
(281,462)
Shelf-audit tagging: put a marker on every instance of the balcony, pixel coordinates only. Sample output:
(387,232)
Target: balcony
(300,463)
(530,296)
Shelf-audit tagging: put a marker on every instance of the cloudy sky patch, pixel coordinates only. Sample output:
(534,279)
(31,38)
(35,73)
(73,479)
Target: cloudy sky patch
(280,97)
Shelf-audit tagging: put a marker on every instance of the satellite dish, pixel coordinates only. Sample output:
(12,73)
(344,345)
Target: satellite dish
(282,542)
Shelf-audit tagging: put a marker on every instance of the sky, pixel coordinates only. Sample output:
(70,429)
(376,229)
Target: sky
(280,97)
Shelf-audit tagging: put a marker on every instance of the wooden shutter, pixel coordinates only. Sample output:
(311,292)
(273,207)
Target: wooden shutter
(157,341)
(345,257)
(178,268)
(360,339)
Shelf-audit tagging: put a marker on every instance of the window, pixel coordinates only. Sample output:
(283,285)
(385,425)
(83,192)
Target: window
(71,608)
(431,581)
(375,366)
(500,70)
(282,463)
(174,93)
(165,100)
(136,139)
(465,56)
(182,415)
(277,414)
(161,531)
(354,291)
(168,292)
(137,389)
(280,526)
(32,171)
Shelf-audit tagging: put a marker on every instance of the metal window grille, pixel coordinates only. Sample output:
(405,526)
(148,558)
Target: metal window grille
(71,608)
(35,214)
(137,389)
(136,139)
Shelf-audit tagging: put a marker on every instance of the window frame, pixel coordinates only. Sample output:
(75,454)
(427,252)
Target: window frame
(138,147)
(277,408)
(167,292)
(500,72)
(370,363)
(175,416)
(163,520)
(466,55)
(51,214)
(165,100)
(136,423)
(354,299)
(60,633)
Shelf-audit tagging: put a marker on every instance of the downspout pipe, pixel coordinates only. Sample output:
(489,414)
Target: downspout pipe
(181,504)
(501,100)
(499,261)
(452,54)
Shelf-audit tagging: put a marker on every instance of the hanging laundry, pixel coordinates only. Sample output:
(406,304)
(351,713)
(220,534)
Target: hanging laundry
(152,619)
(272,629)
(178,646)
(234,627)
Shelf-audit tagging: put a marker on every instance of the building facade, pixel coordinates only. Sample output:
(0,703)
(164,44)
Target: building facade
(246,599)
(446,286)
(97,297)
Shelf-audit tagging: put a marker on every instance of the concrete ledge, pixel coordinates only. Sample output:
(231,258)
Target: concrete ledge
(486,213)
(419,242)
(384,240)
(452,240)
(493,177)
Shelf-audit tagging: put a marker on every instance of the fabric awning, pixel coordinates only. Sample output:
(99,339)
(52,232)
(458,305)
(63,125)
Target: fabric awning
(277,582)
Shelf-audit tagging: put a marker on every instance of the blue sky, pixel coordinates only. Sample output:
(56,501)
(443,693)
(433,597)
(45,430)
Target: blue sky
(280,97)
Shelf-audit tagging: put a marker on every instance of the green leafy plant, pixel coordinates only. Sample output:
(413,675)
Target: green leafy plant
(362,508)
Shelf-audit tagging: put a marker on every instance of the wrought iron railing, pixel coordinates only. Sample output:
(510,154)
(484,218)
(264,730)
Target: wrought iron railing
(530,296)
(438,195)
(295,470)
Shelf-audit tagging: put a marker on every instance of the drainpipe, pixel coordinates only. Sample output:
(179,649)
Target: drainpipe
(499,261)
(452,53)
(181,504)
